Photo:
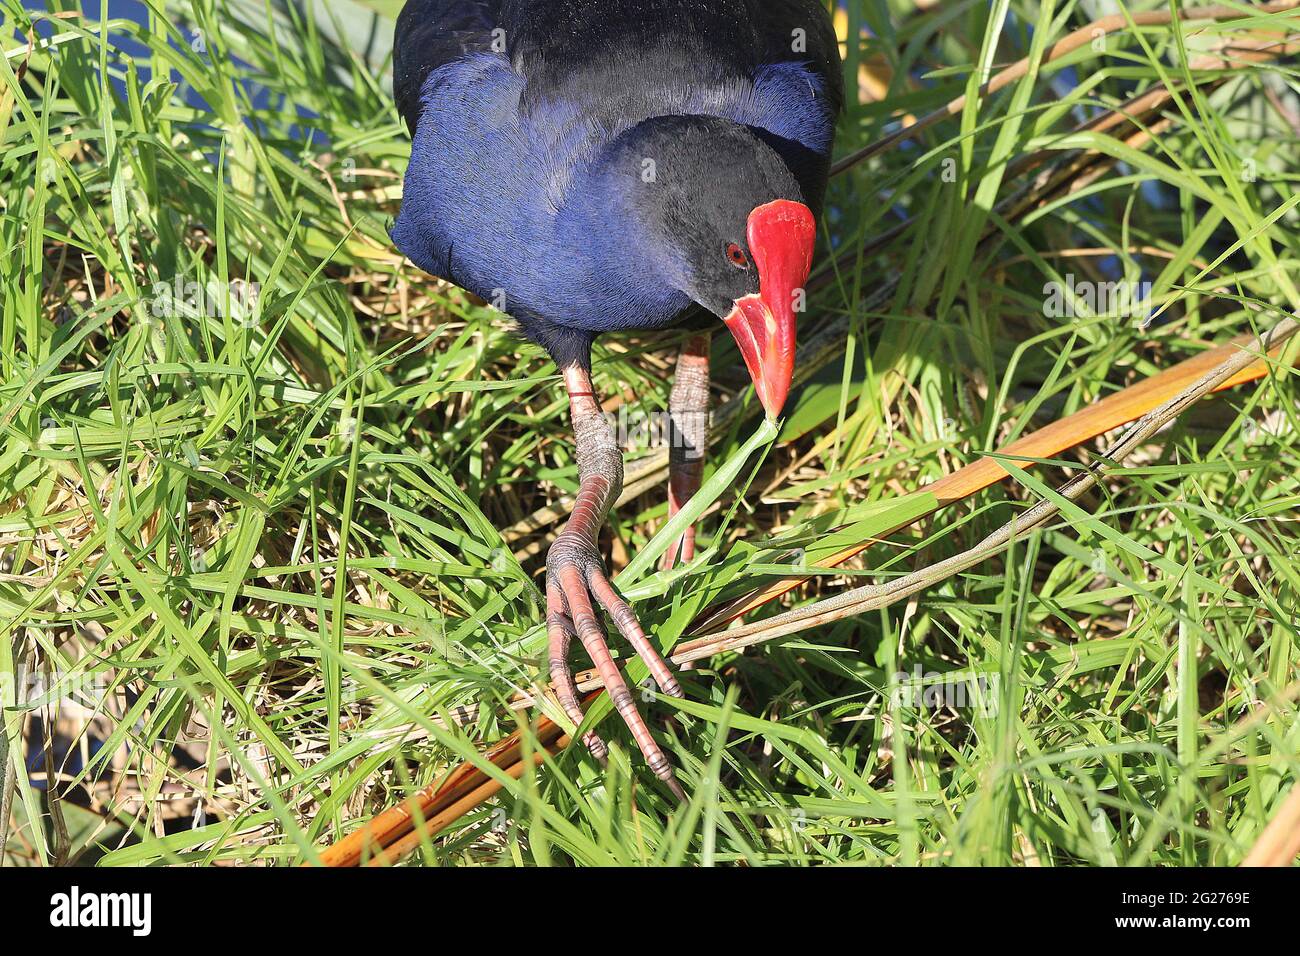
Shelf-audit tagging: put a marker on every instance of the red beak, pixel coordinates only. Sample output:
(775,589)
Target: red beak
(781,239)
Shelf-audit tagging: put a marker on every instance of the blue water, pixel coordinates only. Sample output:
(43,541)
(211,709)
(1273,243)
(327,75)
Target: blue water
(132,10)
(125,49)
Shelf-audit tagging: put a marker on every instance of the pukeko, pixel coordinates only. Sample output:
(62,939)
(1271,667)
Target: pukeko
(595,166)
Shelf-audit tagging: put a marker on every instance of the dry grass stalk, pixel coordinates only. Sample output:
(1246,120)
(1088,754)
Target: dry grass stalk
(1279,844)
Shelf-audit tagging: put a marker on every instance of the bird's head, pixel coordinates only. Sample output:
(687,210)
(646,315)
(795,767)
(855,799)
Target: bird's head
(721,218)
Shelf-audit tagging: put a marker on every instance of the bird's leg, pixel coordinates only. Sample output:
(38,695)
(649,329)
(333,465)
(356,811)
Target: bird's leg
(688,409)
(575,575)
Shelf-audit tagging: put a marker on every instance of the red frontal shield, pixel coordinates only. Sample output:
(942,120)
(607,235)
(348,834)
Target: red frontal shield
(781,239)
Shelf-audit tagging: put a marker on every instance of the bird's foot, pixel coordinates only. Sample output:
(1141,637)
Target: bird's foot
(574,576)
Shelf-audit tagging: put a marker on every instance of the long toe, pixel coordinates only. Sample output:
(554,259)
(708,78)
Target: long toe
(628,625)
(560,632)
(577,600)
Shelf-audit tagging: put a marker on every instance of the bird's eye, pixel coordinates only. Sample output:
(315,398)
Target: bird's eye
(736,256)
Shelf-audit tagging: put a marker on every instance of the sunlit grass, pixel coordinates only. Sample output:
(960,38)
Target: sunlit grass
(273,504)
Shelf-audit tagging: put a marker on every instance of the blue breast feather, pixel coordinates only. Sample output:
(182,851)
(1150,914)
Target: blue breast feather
(491,183)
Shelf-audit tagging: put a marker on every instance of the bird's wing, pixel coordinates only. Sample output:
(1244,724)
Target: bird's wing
(575,59)
(569,50)
(800,32)
(433,33)
(574,52)
(617,62)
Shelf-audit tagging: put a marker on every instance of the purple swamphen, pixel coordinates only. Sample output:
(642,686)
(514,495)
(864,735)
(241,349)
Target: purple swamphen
(596,166)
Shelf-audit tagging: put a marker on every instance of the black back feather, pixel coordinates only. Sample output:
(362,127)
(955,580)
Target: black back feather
(562,47)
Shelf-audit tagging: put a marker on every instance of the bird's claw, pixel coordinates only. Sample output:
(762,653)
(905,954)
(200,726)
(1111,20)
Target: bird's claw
(574,576)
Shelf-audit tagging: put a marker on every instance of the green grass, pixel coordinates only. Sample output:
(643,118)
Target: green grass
(271,545)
